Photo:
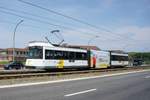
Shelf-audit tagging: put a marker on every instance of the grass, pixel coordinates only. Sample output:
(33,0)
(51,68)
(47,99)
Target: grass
(146,62)
(4,62)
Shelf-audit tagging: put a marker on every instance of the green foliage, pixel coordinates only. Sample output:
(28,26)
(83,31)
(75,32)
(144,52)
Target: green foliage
(145,56)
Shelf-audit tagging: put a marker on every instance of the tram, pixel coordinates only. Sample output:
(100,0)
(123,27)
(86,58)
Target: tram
(43,55)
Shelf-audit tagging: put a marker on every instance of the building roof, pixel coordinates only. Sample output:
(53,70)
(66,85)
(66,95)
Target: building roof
(1,49)
(83,47)
(17,49)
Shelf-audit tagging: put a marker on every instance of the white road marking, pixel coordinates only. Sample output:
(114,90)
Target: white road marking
(81,92)
(147,76)
(67,80)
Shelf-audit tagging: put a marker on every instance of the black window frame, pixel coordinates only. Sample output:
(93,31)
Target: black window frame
(119,58)
(35,56)
(51,54)
(66,55)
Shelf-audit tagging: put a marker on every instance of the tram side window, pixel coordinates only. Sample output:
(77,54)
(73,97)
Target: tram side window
(35,52)
(81,56)
(119,58)
(65,55)
(49,54)
(125,58)
(58,55)
(71,55)
(55,54)
(84,56)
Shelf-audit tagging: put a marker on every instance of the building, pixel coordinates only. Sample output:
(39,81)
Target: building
(3,55)
(7,54)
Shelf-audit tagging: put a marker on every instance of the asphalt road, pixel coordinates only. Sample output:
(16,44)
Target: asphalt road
(124,87)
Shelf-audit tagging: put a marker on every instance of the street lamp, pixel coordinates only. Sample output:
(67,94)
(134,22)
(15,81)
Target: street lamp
(14,38)
(92,39)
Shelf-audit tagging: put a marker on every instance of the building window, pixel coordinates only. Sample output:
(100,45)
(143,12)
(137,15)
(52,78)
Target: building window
(17,52)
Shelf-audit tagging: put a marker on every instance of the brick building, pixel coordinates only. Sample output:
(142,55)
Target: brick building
(7,54)
(3,55)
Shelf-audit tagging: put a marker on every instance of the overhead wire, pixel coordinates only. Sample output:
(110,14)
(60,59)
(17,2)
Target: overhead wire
(69,17)
(37,27)
(31,14)
(26,25)
(10,13)
(36,20)
(41,21)
(23,12)
(59,14)
(57,25)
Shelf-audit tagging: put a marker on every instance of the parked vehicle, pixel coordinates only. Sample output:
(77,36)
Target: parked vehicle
(137,62)
(14,65)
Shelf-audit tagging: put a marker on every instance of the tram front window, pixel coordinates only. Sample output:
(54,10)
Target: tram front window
(35,53)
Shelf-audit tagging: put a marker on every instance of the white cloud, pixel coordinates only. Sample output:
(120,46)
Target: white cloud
(136,38)
(137,33)
(130,38)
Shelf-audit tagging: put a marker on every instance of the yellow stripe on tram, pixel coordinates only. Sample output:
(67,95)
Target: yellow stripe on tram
(60,64)
(103,65)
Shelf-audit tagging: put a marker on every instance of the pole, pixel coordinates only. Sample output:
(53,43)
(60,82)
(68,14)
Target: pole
(14,39)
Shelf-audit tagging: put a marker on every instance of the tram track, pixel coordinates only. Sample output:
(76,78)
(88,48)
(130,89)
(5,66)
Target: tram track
(27,74)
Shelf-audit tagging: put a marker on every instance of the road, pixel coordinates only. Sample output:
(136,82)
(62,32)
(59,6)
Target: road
(134,86)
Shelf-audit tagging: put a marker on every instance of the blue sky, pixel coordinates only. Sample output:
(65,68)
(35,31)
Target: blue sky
(128,21)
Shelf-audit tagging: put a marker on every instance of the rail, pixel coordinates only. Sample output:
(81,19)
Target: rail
(22,74)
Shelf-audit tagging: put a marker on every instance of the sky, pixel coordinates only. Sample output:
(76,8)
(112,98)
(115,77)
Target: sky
(118,24)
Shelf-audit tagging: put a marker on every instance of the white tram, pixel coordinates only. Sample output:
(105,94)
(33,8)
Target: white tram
(43,55)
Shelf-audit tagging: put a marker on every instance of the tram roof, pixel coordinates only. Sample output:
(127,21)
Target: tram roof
(40,43)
